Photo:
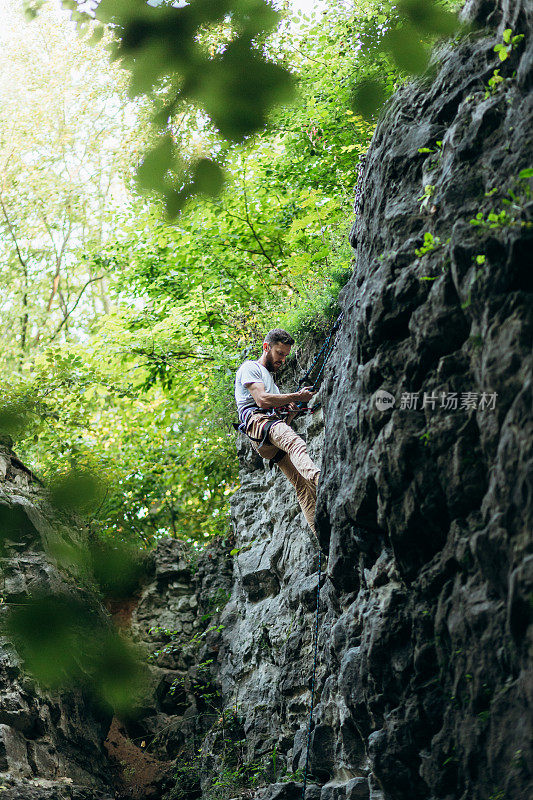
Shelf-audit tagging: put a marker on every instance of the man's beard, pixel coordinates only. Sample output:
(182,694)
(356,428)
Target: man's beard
(269,363)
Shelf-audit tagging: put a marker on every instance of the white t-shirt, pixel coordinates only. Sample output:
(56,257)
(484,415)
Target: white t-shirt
(252,372)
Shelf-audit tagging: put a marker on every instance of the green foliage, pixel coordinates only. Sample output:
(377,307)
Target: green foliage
(206,54)
(437,149)
(124,330)
(430,243)
(63,643)
(215,603)
(143,399)
(404,37)
(505,48)
(187,774)
(494,83)
(497,219)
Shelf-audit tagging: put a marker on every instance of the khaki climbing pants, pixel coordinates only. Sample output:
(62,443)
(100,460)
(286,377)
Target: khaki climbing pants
(296,464)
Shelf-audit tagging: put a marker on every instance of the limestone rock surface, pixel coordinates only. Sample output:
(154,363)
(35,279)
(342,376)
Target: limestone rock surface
(51,744)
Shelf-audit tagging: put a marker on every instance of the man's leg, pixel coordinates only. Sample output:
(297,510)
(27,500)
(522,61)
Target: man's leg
(305,492)
(283,436)
(296,465)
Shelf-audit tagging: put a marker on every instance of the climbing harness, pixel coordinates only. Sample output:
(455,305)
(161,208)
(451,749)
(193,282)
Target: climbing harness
(314,375)
(313,680)
(313,378)
(263,439)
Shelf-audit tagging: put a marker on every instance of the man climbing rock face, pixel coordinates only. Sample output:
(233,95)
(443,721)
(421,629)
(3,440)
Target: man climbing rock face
(258,400)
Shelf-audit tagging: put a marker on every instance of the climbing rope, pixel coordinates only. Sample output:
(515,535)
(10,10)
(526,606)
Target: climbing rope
(322,355)
(327,348)
(315,661)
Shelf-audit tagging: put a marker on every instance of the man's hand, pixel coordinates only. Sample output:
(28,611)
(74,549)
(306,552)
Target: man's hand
(305,395)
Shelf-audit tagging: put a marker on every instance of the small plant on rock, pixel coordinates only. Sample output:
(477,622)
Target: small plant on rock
(429,190)
(430,243)
(494,83)
(436,149)
(509,42)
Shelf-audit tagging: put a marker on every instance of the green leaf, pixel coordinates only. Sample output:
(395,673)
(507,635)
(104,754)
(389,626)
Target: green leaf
(406,49)
(507,35)
(97,35)
(208,177)
(368,97)
(15,417)
(428,17)
(118,10)
(525,173)
(156,163)
(76,490)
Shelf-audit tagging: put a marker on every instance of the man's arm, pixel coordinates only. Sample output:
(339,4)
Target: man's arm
(264,399)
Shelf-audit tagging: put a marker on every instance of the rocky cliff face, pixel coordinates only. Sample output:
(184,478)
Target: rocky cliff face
(425,504)
(51,744)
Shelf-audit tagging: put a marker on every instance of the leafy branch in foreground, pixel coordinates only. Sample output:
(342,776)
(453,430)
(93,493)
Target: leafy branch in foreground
(209,54)
(408,31)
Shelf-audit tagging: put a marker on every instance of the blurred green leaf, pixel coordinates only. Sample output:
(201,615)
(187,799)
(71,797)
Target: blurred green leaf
(236,89)
(155,165)
(77,490)
(64,643)
(32,7)
(116,567)
(408,52)
(118,10)
(15,417)
(51,634)
(368,97)
(146,69)
(119,674)
(429,17)
(175,199)
(208,177)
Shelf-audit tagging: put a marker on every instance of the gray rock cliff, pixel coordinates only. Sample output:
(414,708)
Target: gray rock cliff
(51,744)
(424,681)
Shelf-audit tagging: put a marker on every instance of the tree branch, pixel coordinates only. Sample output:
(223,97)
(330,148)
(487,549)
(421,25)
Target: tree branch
(68,314)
